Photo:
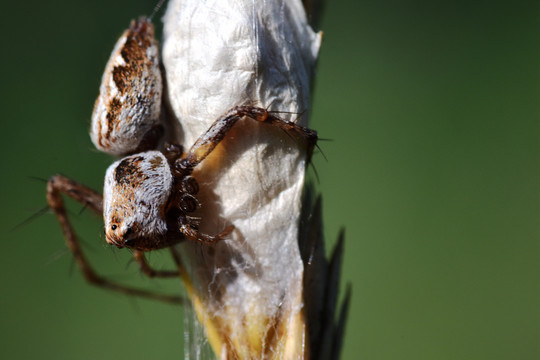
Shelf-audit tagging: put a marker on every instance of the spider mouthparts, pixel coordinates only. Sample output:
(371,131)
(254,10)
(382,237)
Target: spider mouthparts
(114,242)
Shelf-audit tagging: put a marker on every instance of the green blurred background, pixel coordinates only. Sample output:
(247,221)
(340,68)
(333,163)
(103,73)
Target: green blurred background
(433,169)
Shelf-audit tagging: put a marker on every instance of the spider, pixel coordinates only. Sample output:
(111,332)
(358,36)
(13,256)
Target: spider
(149,194)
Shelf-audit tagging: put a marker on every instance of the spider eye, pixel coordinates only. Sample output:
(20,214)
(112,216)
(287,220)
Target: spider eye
(114,227)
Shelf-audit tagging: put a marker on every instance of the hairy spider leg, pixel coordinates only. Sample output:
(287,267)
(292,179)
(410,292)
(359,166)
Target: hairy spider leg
(207,142)
(59,185)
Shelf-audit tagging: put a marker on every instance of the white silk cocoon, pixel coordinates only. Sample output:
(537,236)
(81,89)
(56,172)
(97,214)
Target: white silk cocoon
(219,54)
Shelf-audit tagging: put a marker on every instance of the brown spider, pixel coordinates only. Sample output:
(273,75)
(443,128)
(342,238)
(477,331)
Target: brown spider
(148,198)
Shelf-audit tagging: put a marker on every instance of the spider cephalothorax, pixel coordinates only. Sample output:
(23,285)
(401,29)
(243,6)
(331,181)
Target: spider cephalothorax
(147,202)
(136,192)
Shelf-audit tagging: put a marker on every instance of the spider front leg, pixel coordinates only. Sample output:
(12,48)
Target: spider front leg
(192,233)
(207,142)
(59,185)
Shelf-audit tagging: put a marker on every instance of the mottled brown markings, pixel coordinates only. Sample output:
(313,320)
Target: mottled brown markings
(115,219)
(137,41)
(155,163)
(115,107)
(134,53)
(121,74)
(128,170)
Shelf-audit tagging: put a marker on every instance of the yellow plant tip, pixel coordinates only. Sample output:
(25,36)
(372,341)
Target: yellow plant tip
(254,336)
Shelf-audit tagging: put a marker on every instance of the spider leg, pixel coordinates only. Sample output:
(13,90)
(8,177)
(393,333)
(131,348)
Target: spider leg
(207,142)
(193,234)
(148,270)
(59,185)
